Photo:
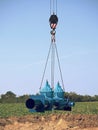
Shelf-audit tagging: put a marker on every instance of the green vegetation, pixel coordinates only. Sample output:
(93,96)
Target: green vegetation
(13,109)
(81,98)
(11,105)
(10,97)
(85,108)
(19,109)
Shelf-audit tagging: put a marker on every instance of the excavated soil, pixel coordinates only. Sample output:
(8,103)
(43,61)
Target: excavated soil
(50,122)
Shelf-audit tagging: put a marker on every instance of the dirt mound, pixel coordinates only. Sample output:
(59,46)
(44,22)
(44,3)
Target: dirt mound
(50,122)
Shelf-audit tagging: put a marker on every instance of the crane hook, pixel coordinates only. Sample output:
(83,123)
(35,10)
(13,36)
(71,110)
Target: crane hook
(53,20)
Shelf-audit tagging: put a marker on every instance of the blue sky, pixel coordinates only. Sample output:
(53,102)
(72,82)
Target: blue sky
(25,40)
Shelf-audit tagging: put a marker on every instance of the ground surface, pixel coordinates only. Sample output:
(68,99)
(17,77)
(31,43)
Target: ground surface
(50,122)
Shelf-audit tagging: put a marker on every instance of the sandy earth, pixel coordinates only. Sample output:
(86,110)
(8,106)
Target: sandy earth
(50,122)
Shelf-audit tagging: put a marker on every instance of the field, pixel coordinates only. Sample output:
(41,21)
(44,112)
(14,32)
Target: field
(16,116)
(19,109)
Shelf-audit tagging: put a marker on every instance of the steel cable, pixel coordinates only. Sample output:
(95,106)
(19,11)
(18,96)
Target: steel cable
(45,66)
